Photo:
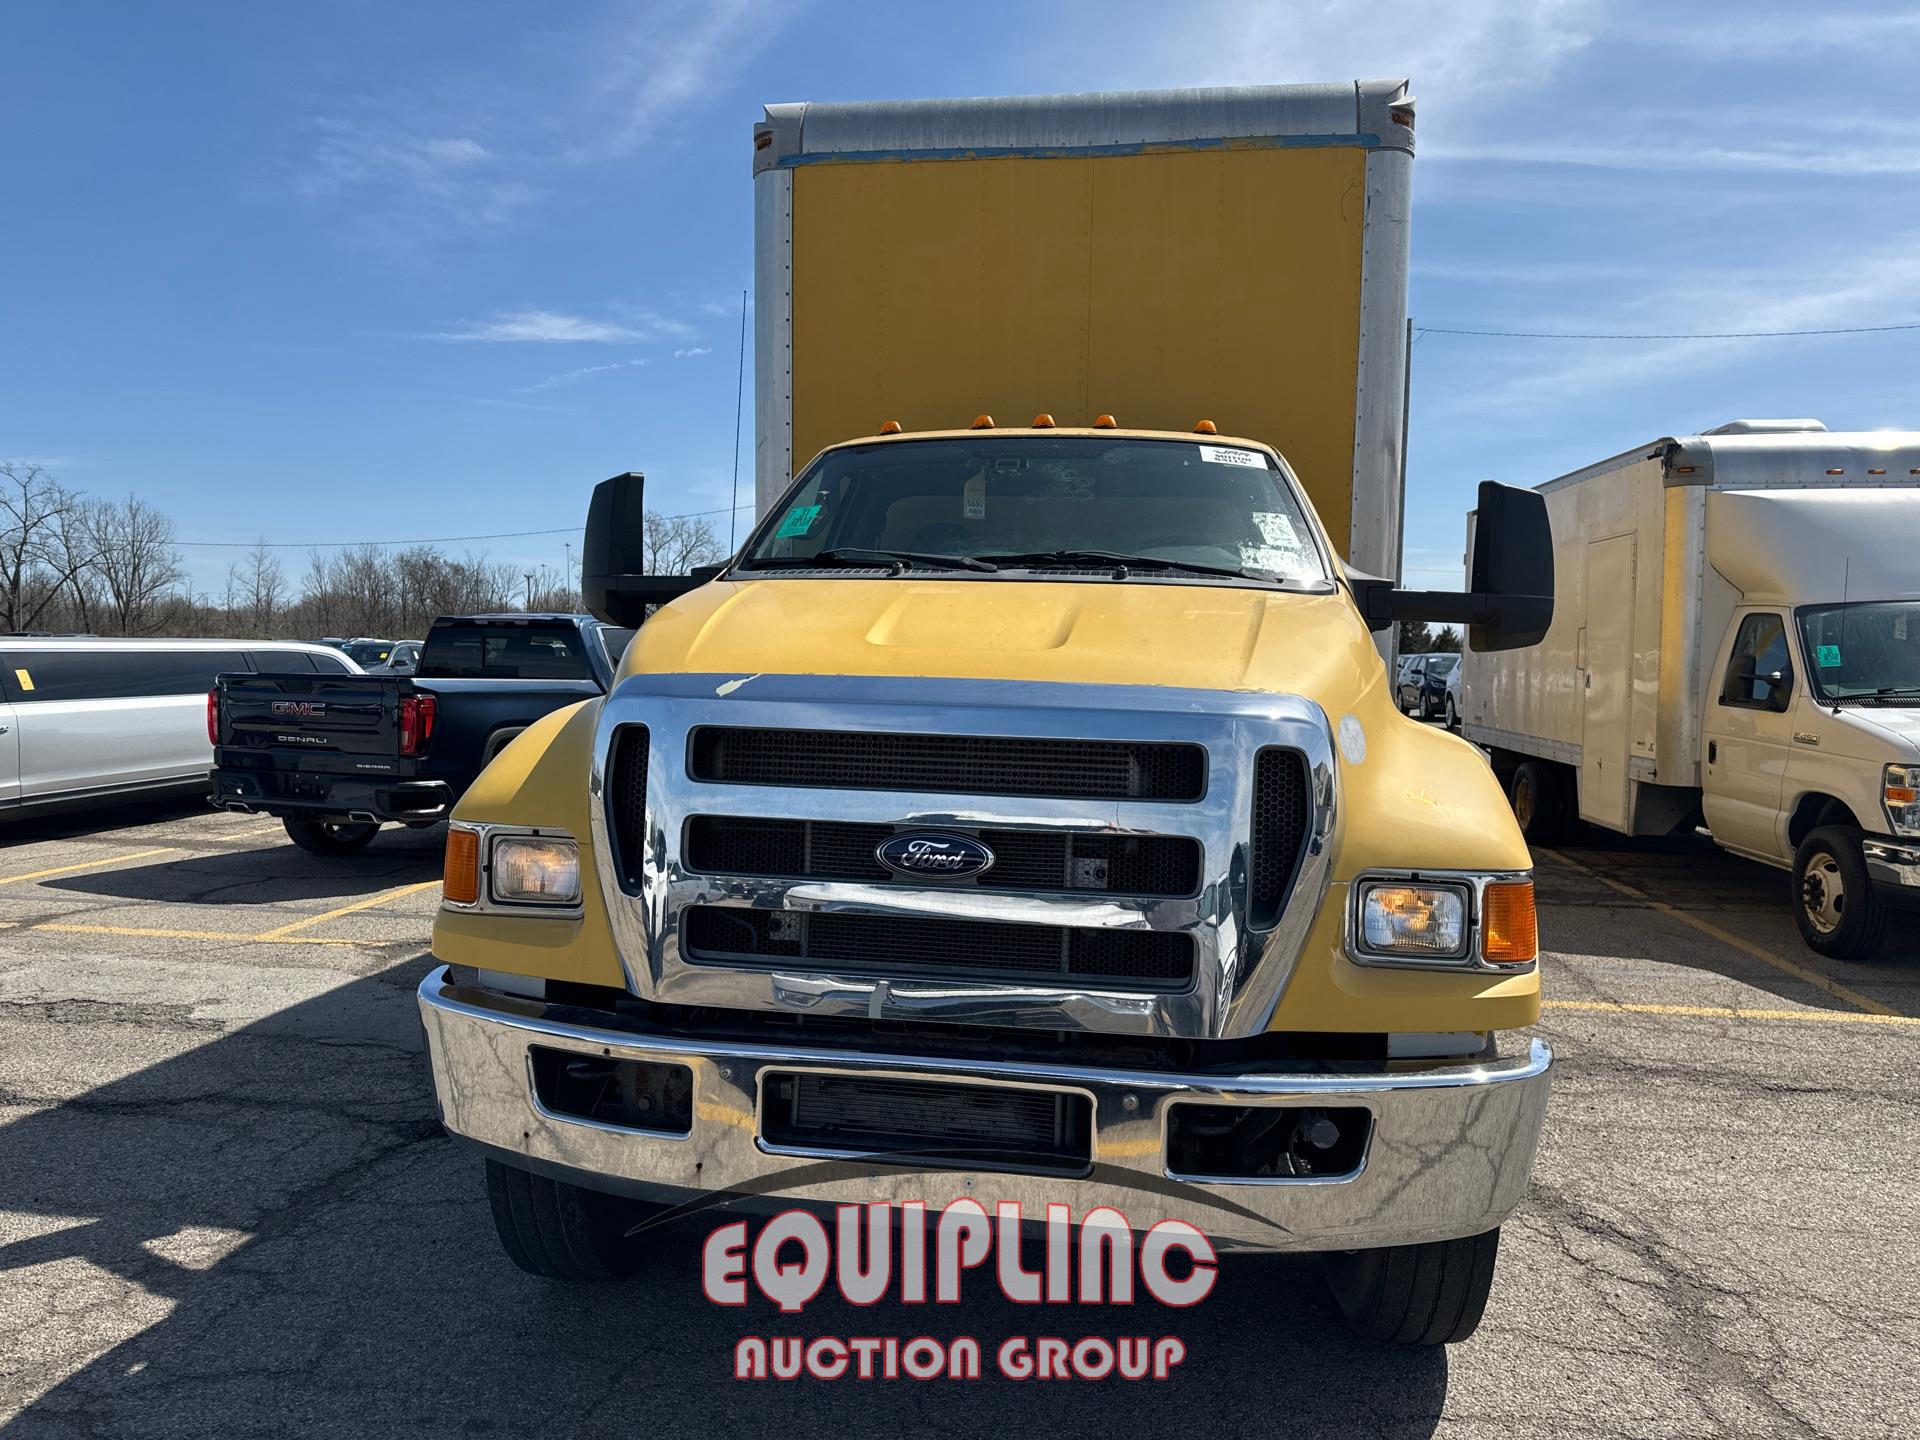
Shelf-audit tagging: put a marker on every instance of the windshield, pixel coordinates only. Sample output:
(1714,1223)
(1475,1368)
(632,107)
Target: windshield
(367,652)
(1442,665)
(1034,502)
(1863,650)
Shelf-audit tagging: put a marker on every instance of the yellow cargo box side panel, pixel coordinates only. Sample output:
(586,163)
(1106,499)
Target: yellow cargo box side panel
(1161,288)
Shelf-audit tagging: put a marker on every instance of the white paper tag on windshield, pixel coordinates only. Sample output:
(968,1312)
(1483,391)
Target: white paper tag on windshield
(1222,455)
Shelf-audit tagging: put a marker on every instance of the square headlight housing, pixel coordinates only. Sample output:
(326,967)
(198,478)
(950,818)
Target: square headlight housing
(1900,793)
(1413,921)
(535,870)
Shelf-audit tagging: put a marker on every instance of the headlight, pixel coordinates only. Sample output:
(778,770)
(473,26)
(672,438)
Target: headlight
(536,870)
(1424,922)
(1902,798)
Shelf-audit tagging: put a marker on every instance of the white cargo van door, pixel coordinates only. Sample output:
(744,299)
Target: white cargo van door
(1749,735)
(1607,681)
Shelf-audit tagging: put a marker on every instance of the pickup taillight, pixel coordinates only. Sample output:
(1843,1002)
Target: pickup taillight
(213,717)
(416,723)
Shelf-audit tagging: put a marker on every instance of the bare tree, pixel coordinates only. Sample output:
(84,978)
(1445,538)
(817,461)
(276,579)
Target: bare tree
(677,543)
(263,589)
(138,568)
(38,559)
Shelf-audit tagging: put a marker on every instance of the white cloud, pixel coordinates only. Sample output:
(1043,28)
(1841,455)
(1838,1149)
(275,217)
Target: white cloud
(545,327)
(572,377)
(407,189)
(692,351)
(1757,156)
(1792,34)
(670,60)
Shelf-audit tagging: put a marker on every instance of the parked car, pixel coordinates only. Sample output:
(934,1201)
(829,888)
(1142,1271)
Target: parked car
(1422,687)
(335,758)
(1452,702)
(367,652)
(403,659)
(86,721)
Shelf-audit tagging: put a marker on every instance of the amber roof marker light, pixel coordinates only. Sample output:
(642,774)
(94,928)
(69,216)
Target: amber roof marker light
(981,422)
(889,427)
(1206,427)
(1043,421)
(1105,422)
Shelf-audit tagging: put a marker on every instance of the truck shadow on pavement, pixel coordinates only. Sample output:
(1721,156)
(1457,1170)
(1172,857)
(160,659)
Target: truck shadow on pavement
(275,874)
(269,1232)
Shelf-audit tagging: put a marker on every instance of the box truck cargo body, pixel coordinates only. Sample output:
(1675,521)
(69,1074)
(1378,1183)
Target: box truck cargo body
(1695,672)
(1234,255)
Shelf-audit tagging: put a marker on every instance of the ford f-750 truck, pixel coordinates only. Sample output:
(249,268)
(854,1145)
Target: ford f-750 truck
(1024,812)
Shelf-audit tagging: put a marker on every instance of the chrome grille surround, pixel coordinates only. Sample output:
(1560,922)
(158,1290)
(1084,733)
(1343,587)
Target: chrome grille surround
(1240,974)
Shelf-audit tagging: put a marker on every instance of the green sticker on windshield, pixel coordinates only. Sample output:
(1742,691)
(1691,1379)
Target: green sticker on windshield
(799,521)
(1829,657)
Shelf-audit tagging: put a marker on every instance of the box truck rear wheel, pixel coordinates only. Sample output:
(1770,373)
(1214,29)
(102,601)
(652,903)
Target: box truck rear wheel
(330,837)
(1429,1294)
(1538,793)
(1834,902)
(564,1232)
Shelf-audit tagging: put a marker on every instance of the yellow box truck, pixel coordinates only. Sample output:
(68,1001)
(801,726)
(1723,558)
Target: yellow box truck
(1023,814)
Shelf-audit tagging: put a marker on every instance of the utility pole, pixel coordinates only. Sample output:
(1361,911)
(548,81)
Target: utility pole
(529,604)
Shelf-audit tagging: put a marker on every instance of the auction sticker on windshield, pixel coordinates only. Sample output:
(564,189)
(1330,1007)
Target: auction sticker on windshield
(799,520)
(1222,455)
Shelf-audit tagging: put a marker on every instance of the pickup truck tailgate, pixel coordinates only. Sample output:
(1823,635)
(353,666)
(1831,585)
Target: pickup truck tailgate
(312,722)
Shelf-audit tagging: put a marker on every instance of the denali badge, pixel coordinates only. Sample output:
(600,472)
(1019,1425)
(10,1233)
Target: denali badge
(299,707)
(935,857)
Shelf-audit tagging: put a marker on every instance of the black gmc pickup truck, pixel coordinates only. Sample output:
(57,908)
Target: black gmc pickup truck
(335,756)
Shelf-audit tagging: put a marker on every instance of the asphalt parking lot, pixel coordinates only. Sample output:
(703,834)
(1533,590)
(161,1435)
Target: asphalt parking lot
(226,1207)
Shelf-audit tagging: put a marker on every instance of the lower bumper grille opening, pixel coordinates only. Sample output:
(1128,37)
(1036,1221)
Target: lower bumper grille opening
(1267,1142)
(630,1094)
(938,948)
(926,1122)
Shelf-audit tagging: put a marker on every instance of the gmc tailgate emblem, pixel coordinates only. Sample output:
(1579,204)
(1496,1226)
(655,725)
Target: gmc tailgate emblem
(308,708)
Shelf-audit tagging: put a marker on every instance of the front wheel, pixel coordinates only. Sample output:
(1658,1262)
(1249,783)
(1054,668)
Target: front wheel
(1539,800)
(331,837)
(564,1232)
(1834,902)
(1453,715)
(1432,1294)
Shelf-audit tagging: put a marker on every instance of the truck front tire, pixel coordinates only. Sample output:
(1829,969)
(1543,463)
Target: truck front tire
(1834,903)
(560,1231)
(330,837)
(1431,1294)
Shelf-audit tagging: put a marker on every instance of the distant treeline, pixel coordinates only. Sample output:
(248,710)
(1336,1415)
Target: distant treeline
(75,564)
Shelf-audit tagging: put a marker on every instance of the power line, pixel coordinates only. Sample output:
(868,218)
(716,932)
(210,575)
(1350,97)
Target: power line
(435,540)
(1694,335)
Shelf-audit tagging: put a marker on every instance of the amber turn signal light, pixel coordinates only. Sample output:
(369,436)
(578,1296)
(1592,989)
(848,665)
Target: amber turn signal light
(1105,422)
(1206,427)
(889,427)
(982,422)
(460,879)
(1043,421)
(1509,934)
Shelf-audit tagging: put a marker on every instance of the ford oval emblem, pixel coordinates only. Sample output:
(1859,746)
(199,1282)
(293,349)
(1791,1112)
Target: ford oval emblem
(935,857)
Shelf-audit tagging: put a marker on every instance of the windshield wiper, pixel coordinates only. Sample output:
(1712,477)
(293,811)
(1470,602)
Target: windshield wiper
(1123,563)
(859,555)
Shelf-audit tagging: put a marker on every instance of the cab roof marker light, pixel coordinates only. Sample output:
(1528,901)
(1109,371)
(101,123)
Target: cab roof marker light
(1206,427)
(1043,421)
(1836,471)
(889,427)
(982,422)
(1880,471)
(1105,422)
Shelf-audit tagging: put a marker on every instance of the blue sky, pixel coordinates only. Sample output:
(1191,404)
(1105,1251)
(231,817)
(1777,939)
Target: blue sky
(369,270)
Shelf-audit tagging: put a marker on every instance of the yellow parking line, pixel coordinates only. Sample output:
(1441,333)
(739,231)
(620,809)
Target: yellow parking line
(86,865)
(1746,947)
(366,904)
(145,932)
(1730,1012)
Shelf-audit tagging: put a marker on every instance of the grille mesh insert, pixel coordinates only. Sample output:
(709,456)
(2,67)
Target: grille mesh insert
(951,764)
(627,803)
(937,947)
(1157,865)
(1279,832)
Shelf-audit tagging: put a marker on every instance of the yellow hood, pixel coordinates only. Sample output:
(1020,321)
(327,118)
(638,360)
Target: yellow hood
(1191,636)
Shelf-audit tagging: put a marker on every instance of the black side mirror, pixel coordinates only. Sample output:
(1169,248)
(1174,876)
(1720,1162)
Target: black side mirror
(1779,690)
(1509,604)
(1739,686)
(613,578)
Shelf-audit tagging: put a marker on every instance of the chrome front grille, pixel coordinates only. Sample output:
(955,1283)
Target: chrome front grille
(738,820)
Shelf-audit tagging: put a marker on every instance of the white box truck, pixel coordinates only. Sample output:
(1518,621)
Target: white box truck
(1735,642)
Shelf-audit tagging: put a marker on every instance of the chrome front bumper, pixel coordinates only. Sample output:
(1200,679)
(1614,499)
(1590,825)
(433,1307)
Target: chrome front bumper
(1449,1154)
(1891,864)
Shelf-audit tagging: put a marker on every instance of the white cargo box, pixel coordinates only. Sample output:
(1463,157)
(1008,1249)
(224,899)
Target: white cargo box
(1653,550)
